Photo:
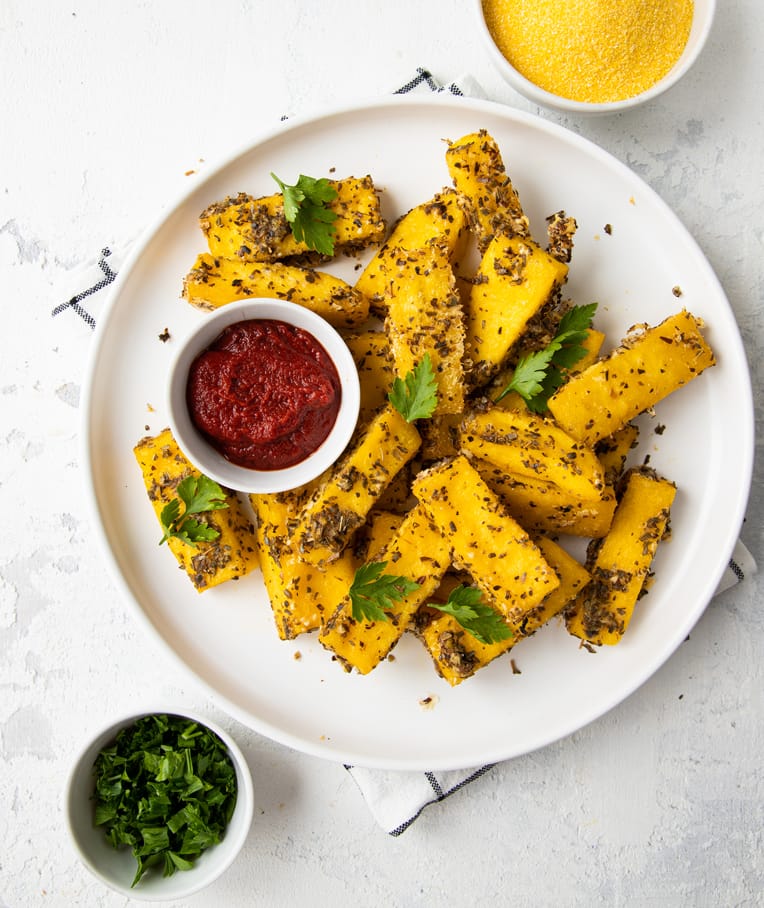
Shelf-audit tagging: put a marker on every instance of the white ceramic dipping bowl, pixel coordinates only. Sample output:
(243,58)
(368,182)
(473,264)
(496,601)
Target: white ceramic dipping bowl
(702,21)
(116,867)
(203,455)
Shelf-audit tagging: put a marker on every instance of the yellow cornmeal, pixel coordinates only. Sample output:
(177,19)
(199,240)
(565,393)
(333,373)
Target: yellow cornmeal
(591,50)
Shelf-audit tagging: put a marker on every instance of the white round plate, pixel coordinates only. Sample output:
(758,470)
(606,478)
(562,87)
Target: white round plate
(226,638)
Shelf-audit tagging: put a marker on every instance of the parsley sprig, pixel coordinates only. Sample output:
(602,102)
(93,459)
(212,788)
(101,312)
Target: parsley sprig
(373,592)
(167,789)
(416,395)
(538,375)
(465,604)
(306,211)
(197,494)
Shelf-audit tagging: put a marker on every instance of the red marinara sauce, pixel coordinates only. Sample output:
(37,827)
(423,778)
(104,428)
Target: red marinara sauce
(265,394)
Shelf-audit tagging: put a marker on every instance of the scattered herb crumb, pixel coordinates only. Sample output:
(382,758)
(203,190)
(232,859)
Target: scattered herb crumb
(515,669)
(164,336)
(608,228)
(676,290)
(659,429)
(429,702)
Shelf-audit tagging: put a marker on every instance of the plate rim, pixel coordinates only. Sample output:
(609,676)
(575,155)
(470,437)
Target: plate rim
(94,507)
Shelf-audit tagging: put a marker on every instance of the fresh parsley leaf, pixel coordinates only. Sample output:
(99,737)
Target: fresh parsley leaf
(568,355)
(198,494)
(169,515)
(373,591)
(538,375)
(305,208)
(416,395)
(577,319)
(193,531)
(166,788)
(529,374)
(465,604)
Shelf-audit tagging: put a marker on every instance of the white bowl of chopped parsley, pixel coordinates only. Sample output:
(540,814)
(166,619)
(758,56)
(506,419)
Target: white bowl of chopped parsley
(159,804)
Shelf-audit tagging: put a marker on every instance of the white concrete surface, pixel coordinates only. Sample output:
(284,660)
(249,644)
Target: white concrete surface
(104,108)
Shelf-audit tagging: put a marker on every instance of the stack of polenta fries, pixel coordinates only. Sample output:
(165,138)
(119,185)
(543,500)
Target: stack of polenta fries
(478,493)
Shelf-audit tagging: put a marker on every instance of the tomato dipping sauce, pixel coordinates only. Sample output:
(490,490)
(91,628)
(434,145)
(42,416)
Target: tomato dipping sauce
(265,394)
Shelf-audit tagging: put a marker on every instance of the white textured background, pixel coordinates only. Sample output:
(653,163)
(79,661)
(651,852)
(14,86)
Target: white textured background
(104,107)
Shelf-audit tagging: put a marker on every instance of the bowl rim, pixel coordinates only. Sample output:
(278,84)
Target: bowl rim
(699,32)
(236,833)
(202,455)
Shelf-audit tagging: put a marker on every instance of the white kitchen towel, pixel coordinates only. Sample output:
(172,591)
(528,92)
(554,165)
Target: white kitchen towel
(395,798)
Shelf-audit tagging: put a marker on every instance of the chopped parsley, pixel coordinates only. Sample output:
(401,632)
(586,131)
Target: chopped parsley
(166,788)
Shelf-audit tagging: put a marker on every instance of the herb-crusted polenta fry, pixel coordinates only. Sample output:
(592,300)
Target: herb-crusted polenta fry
(416,551)
(544,507)
(650,364)
(440,436)
(424,316)
(514,280)
(233,554)
(301,594)
(613,451)
(478,528)
(573,578)
(256,229)
(342,503)
(524,444)
(620,563)
(457,654)
(376,370)
(443,218)
(214,281)
(381,529)
(478,173)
